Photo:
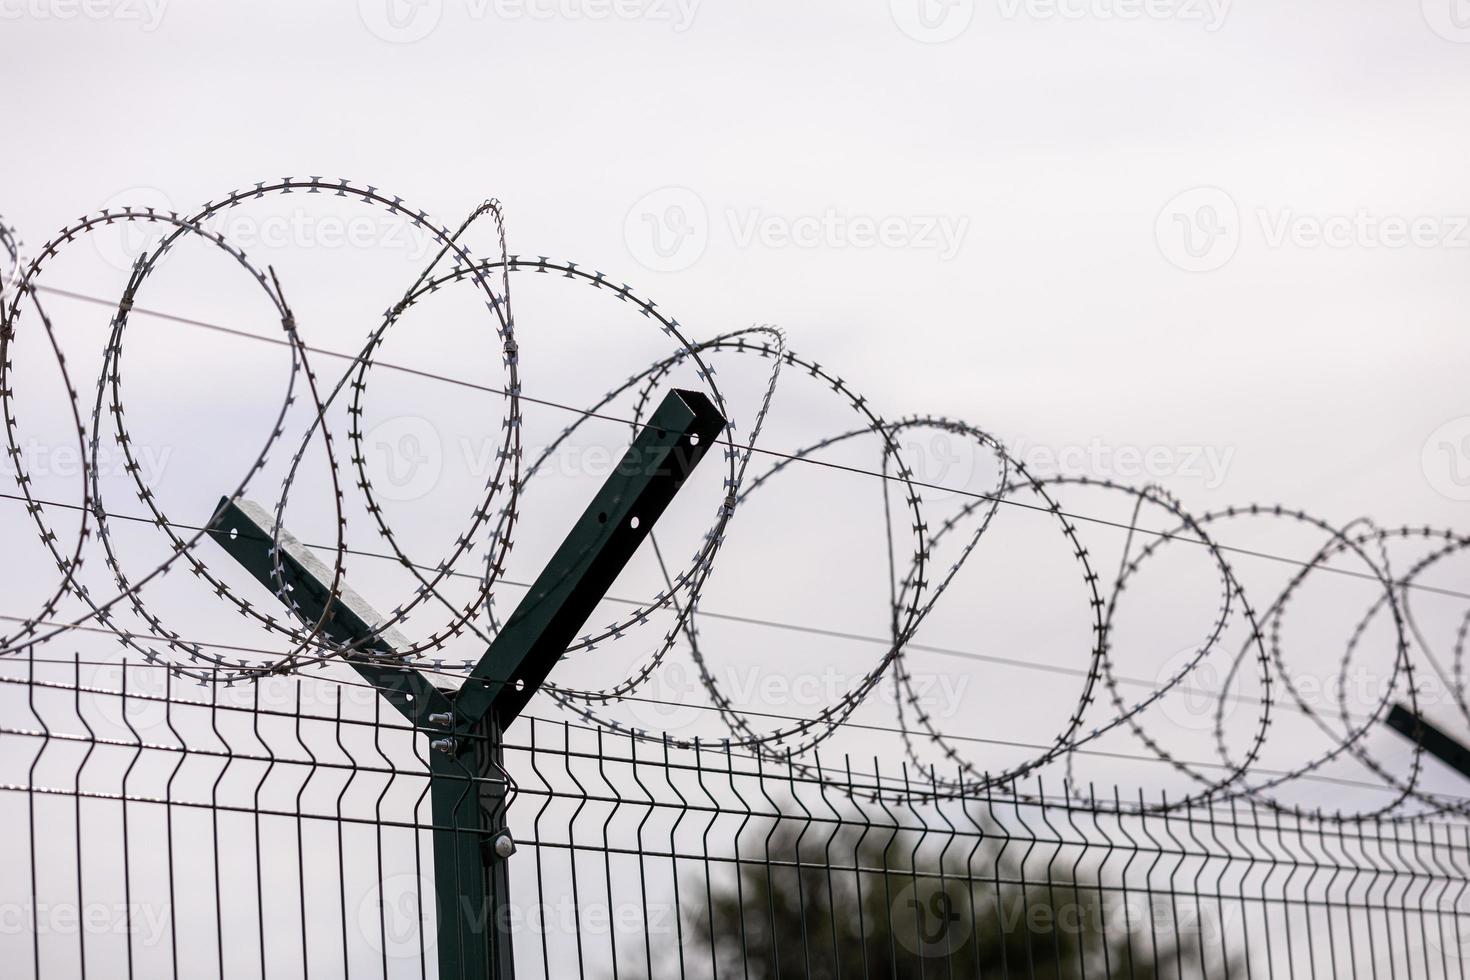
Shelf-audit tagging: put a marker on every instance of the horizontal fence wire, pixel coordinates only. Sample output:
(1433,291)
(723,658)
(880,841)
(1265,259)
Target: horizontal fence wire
(156,828)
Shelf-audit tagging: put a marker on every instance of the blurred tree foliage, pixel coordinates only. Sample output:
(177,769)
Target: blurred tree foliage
(880,908)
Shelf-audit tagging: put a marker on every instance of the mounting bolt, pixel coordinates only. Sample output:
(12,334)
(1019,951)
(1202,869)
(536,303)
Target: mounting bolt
(504,845)
(443,718)
(445,745)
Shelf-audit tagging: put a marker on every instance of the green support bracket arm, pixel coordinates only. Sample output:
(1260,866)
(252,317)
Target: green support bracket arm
(1436,742)
(467,779)
(652,470)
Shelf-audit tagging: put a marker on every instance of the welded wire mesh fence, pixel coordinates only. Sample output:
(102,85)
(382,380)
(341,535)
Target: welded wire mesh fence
(282,829)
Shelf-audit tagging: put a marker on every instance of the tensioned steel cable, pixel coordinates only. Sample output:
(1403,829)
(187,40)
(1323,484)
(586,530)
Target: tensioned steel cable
(1029,665)
(927,549)
(760,450)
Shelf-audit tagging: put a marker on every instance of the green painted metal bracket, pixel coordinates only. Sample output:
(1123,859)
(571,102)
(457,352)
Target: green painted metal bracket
(469,789)
(243,528)
(607,534)
(1437,743)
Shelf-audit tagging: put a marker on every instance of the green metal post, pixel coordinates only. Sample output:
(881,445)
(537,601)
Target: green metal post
(467,779)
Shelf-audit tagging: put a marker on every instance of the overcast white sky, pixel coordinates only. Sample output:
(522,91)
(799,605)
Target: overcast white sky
(1227,238)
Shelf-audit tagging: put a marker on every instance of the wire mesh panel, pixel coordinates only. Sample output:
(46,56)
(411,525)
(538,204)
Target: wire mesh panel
(246,833)
(282,829)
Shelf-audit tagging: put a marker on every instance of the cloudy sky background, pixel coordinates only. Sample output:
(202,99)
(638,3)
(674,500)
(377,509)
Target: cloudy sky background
(1218,247)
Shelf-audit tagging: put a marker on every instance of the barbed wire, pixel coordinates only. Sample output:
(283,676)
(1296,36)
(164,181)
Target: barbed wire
(705,612)
(917,578)
(1413,586)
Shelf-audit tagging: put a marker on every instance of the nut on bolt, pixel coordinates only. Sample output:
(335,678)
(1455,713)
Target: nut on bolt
(445,745)
(444,719)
